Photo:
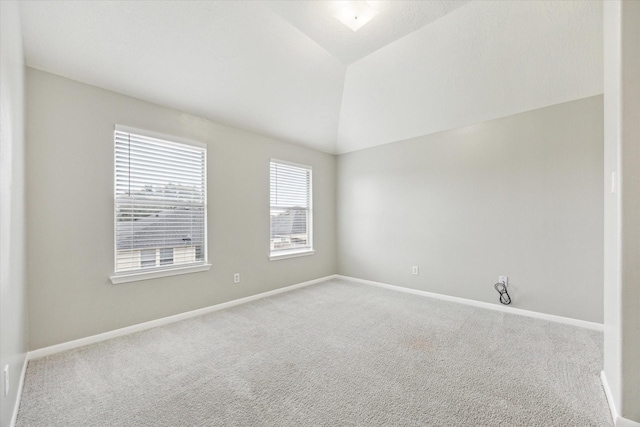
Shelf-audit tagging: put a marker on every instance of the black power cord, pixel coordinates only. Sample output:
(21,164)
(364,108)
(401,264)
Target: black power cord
(504,295)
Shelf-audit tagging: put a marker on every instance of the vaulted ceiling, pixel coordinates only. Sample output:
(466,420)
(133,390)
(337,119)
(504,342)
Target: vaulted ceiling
(291,71)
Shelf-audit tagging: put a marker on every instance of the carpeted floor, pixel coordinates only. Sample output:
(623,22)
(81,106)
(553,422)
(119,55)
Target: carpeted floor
(335,353)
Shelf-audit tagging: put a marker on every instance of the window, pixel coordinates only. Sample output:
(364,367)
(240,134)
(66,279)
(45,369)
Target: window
(147,258)
(166,256)
(291,212)
(160,206)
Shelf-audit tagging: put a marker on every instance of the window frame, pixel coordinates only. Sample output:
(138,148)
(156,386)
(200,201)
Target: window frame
(299,252)
(160,270)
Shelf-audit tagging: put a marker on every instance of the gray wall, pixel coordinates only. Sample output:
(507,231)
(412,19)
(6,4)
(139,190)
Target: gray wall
(13,321)
(630,231)
(70,213)
(622,206)
(519,196)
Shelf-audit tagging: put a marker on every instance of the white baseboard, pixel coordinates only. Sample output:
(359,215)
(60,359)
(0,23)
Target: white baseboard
(503,308)
(46,351)
(16,407)
(618,421)
(607,392)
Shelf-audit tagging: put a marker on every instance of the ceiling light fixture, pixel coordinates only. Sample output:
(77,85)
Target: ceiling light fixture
(355,14)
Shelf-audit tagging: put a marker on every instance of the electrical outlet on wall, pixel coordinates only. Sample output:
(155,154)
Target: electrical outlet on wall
(5,378)
(236,278)
(503,279)
(414,270)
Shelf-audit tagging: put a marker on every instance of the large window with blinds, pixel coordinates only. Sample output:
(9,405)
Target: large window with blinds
(160,203)
(291,210)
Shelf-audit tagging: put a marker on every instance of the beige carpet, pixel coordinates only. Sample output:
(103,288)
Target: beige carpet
(336,353)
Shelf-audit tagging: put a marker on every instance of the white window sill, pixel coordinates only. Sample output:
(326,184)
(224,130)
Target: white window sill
(116,279)
(290,254)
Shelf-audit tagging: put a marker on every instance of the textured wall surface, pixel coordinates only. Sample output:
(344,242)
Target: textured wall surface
(13,321)
(519,196)
(70,202)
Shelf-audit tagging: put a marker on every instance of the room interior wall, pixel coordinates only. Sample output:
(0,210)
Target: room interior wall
(622,206)
(630,211)
(70,213)
(612,284)
(520,196)
(13,314)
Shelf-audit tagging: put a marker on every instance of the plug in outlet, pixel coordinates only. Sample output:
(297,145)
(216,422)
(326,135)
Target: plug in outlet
(503,279)
(5,377)
(414,270)
(236,278)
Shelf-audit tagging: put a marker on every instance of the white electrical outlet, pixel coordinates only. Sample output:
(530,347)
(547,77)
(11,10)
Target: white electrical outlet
(414,270)
(503,279)
(236,278)
(5,376)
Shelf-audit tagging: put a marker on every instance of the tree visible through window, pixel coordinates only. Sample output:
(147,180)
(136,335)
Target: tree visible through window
(160,203)
(291,213)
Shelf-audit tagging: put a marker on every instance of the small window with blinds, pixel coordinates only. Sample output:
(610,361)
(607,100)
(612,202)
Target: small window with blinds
(291,210)
(160,203)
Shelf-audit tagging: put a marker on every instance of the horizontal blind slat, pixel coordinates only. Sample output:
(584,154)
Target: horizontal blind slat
(156,142)
(290,212)
(123,153)
(160,193)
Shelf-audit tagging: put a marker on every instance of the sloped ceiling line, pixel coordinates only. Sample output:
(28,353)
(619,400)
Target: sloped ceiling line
(290,71)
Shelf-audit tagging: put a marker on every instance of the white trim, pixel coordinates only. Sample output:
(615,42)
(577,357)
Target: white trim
(206,206)
(550,317)
(160,136)
(607,392)
(293,253)
(290,254)
(126,277)
(618,421)
(46,351)
(116,279)
(297,165)
(16,408)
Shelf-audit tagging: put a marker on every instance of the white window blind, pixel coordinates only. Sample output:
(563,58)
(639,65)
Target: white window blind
(160,203)
(291,212)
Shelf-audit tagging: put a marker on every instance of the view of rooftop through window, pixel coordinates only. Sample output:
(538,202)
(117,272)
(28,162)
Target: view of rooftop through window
(291,214)
(160,203)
